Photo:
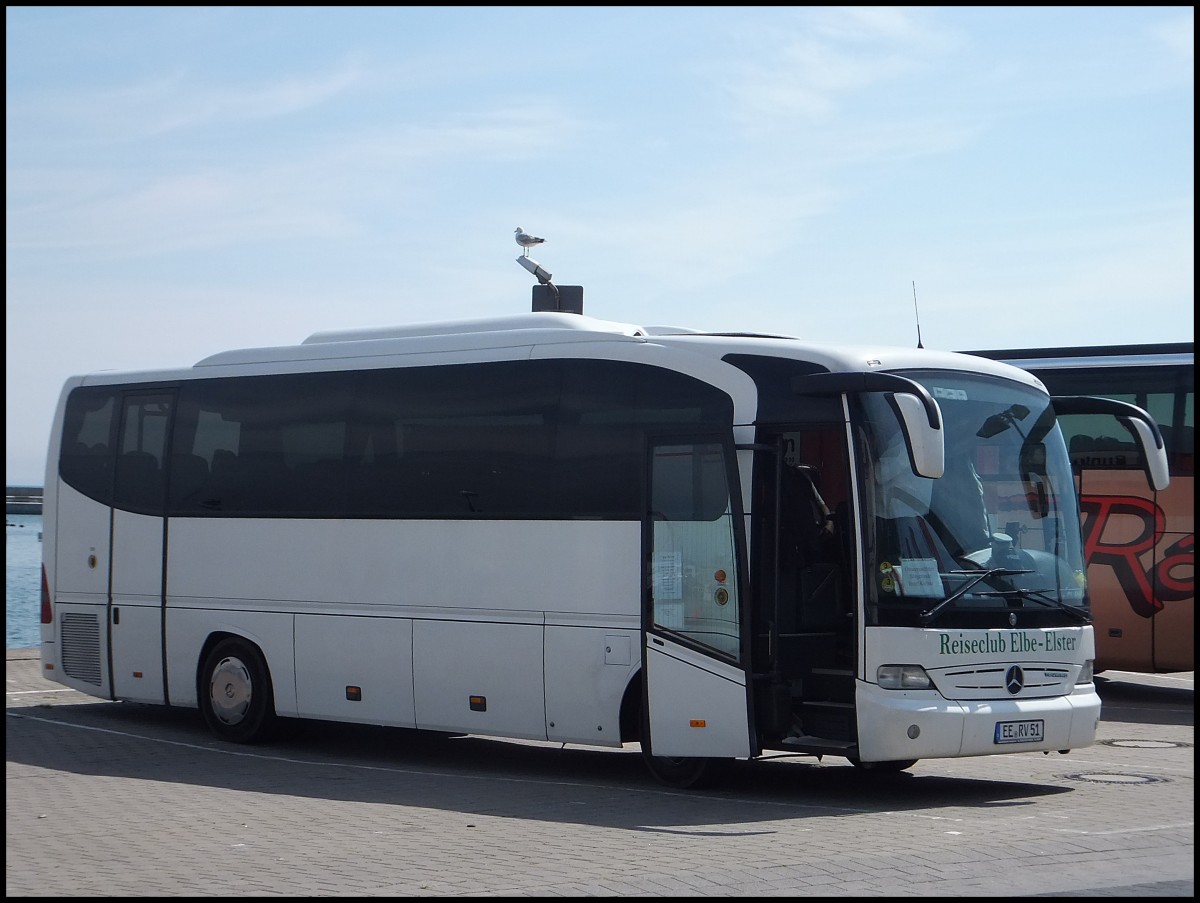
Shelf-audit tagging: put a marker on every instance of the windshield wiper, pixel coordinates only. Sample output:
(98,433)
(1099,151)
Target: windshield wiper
(1043,596)
(930,613)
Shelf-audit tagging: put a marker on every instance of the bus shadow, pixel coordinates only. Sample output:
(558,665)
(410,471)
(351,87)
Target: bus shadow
(474,775)
(1133,702)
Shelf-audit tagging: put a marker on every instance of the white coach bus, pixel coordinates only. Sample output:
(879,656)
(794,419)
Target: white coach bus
(552,527)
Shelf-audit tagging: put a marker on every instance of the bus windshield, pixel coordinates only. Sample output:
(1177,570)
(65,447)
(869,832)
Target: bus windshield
(992,541)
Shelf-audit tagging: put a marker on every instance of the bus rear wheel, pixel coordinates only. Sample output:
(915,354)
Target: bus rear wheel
(236,697)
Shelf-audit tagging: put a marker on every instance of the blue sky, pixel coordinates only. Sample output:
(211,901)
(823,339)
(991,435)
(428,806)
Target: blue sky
(186,180)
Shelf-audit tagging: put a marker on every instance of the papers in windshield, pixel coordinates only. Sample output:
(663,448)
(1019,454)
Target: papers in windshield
(919,577)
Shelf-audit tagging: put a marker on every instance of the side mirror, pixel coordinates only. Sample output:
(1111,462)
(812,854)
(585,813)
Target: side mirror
(926,445)
(1154,452)
(919,415)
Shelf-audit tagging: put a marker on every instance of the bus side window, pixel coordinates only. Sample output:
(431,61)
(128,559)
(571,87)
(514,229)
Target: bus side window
(89,430)
(218,492)
(1103,451)
(189,474)
(1181,450)
(89,469)
(139,482)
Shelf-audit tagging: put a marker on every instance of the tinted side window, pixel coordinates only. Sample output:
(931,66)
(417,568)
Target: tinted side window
(89,435)
(457,441)
(507,439)
(1166,392)
(141,464)
(608,409)
(262,445)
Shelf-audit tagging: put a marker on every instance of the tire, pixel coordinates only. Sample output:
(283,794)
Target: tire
(883,767)
(236,696)
(682,772)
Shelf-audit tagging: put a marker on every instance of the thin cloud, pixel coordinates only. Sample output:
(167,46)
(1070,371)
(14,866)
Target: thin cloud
(171,104)
(313,191)
(1177,35)
(810,69)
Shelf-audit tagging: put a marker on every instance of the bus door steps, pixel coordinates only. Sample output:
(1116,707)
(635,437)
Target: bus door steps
(830,720)
(819,744)
(833,684)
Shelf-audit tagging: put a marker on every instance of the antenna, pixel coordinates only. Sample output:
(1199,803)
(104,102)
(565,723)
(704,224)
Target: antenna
(917,313)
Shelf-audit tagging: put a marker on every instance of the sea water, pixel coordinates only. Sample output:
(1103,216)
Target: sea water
(23,580)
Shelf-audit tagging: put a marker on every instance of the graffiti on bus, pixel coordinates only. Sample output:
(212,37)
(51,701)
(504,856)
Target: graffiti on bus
(1170,575)
(1140,551)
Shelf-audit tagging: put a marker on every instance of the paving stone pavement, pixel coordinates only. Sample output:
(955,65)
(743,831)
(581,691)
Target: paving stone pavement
(114,799)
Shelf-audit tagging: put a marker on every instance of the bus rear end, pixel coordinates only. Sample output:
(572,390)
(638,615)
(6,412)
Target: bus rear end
(75,552)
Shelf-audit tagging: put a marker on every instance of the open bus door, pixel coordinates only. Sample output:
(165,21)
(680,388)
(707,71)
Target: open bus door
(695,626)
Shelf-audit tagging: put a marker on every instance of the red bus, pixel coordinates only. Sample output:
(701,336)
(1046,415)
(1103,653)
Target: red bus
(1139,543)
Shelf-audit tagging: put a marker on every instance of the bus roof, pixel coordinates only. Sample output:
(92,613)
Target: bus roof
(572,335)
(554,328)
(1075,356)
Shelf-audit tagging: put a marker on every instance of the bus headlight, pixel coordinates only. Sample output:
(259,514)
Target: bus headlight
(903,677)
(1086,672)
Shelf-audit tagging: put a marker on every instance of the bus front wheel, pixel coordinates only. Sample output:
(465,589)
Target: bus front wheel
(682,772)
(883,767)
(236,696)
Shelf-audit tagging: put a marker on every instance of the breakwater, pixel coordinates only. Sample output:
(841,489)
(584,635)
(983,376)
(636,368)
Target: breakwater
(23,500)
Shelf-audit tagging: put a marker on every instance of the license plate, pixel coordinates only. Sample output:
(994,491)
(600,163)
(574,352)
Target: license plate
(1019,731)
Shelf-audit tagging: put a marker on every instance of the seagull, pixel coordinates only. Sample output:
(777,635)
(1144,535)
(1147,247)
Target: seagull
(527,241)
